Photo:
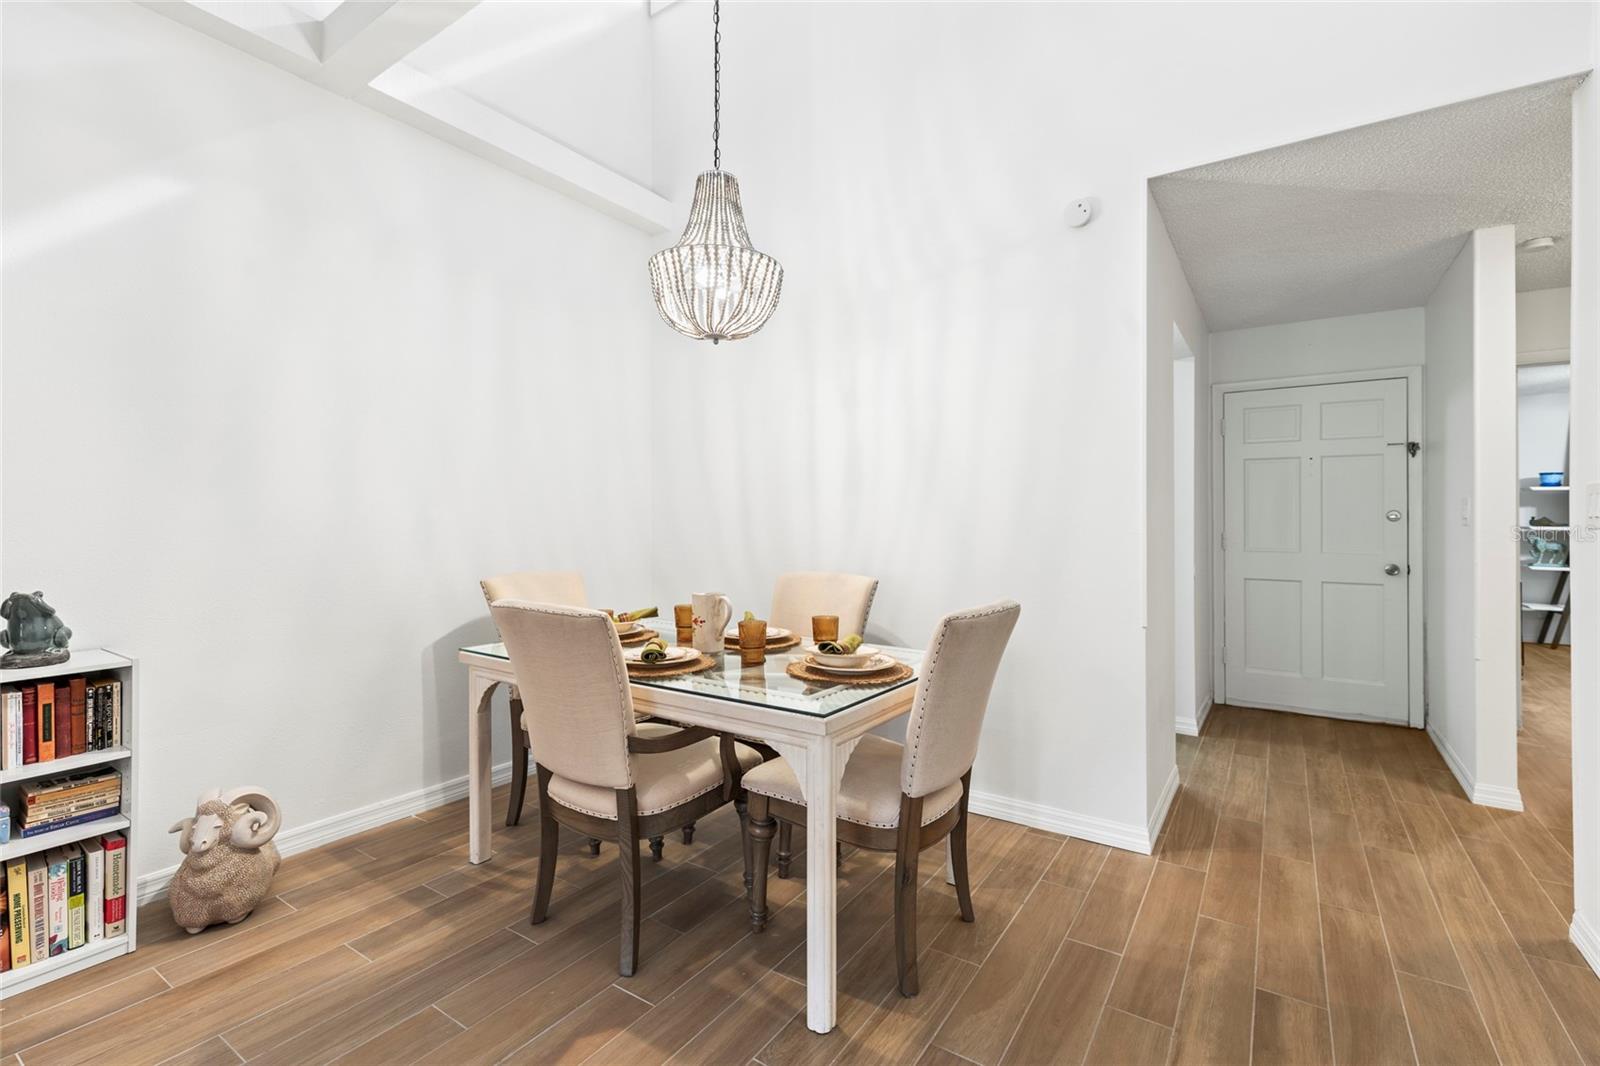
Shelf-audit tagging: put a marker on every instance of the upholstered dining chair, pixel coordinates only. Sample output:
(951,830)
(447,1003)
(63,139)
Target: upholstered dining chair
(796,598)
(564,587)
(597,774)
(903,798)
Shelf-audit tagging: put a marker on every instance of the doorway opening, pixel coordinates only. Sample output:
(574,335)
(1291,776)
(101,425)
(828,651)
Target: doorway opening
(1379,686)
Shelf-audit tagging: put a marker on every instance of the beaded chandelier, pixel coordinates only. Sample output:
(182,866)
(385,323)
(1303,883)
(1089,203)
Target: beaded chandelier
(713,284)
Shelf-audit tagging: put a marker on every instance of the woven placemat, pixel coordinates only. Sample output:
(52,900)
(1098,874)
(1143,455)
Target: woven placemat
(693,666)
(803,671)
(642,636)
(732,643)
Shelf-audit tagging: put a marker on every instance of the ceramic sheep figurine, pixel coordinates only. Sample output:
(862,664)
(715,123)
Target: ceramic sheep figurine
(228,858)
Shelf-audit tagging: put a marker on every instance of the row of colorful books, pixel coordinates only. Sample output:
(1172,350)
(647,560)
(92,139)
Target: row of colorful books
(52,803)
(52,719)
(63,899)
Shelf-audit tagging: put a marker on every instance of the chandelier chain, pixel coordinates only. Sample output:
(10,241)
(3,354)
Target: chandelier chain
(716,84)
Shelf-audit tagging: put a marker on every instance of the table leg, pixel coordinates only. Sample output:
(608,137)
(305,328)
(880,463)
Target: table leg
(480,697)
(823,763)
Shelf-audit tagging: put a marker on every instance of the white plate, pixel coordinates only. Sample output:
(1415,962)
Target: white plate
(877,661)
(774,633)
(675,654)
(863,655)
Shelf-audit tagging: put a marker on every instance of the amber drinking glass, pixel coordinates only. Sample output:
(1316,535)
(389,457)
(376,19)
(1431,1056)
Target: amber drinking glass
(752,642)
(824,627)
(683,617)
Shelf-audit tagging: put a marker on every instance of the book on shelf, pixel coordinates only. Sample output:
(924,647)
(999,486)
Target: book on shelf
(77,898)
(67,823)
(38,908)
(72,799)
(63,719)
(17,904)
(11,710)
(30,724)
(78,715)
(94,858)
(47,720)
(5,941)
(56,860)
(116,846)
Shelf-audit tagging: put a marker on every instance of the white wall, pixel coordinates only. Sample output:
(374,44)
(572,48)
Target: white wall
(1174,328)
(1177,339)
(1544,325)
(977,361)
(1381,340)
(283,379)
(1470,499)
(1585,473)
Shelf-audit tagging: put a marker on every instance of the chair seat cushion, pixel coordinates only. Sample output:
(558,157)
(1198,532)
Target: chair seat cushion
(869,792)
(661,781)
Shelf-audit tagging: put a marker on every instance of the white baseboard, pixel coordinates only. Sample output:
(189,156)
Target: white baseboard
(1129,836)
(1509,799)
(1587,940)
(295,839)
(1190,727)
(1158,817)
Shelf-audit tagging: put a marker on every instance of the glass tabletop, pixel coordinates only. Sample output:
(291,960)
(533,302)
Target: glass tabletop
(767,685)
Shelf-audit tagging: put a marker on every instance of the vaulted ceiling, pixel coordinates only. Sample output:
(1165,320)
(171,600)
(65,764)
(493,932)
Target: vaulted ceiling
(556,91)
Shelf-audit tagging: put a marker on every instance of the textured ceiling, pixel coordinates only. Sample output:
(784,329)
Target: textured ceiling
(1369,219)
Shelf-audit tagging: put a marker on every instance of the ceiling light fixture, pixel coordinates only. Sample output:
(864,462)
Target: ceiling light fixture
(1536,244)
(713,284)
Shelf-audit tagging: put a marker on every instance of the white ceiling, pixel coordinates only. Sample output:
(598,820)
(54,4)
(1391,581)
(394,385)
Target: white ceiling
(1369,219)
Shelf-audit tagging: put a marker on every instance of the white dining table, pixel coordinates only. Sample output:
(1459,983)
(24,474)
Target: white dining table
(815,726)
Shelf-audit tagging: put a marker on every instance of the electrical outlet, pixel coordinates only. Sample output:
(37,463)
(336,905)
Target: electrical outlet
(1466,510)
(1591,505)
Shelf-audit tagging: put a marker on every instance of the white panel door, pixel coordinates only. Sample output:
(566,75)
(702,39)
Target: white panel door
(1315,549)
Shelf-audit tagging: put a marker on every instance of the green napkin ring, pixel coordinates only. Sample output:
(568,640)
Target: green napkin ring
(847,646)
(654,650)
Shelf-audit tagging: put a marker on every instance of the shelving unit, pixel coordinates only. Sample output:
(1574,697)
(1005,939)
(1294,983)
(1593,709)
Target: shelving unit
(95,662)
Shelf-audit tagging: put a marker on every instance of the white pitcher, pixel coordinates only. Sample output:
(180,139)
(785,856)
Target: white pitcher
(712,613)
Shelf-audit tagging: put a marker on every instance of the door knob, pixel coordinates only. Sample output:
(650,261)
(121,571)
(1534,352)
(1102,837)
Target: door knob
(1391,568)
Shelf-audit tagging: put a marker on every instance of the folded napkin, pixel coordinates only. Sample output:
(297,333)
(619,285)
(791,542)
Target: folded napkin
(655,649)
(637,616)
(847,646)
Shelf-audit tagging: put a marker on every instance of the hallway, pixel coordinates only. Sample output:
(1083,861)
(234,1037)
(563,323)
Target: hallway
(1393,920)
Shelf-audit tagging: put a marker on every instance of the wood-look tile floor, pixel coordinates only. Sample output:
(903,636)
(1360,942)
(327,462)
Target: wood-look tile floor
(1321,893)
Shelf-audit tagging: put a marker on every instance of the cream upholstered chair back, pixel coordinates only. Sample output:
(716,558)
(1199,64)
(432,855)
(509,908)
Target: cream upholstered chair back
(798,596)
(537,586)
(579,711)
(952,696)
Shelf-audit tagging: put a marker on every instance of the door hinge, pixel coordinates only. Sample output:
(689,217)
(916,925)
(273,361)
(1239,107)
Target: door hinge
(1222,427)
(1224,542)
(1224,655)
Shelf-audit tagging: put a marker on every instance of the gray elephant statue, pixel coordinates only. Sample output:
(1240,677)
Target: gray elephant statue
(33,632)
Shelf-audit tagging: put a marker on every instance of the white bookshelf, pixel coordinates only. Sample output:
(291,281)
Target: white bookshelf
(93,662)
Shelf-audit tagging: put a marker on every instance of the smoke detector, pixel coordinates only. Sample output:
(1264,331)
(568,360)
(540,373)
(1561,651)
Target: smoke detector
(1536,244)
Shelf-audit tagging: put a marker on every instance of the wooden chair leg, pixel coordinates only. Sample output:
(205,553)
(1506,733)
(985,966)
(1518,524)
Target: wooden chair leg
(741,807)
(785,848)
(688,833)
(519,766)
(628,866)
(549,840)
(958,855)
(761,826)
(657,846)
(905,893)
